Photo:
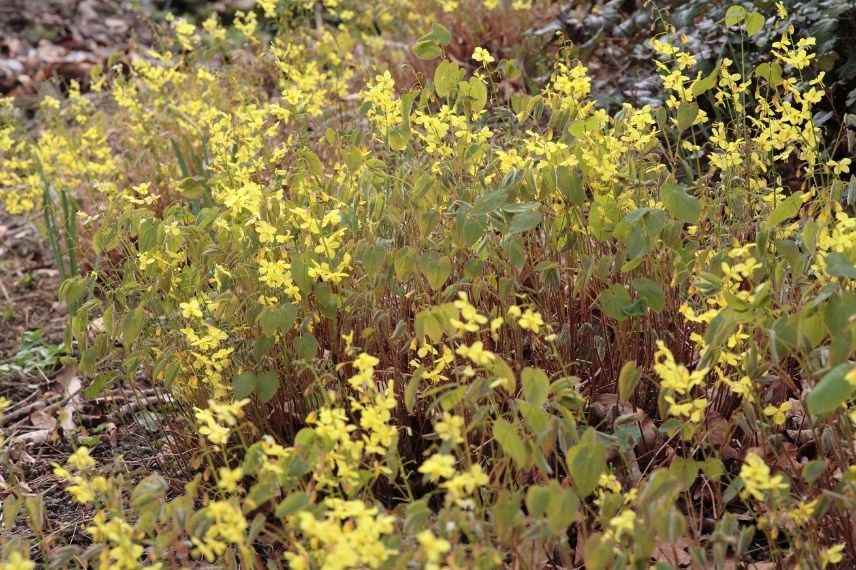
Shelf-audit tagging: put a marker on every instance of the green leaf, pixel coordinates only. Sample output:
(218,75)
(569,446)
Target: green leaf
(306,346)
(446,77)
(510,442)
(476,93)
(833,390)
(812,470)
(612,301)
(561,509)
(586,463)
(132,326)
(427,324)
(734,15)
(98,384)
(628,379)
(536,386)
(679,203)
(687,113)
(838,265)
(440,34)
(537,500)
(650,292)
(500,368)
(524,221)
(293,503)
(706,83)
(713,468)
(267,384)
(405,262)
(787,208)
(264,385)
(436,270)
(770,72)
(277,319)
(754,23)
(427,49)
(243,385)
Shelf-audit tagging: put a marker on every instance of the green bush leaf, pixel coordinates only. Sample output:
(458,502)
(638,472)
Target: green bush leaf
(524,221)
(536,386)
(687,113)
(586,463)
(267,384)
(277,319)
(838,265)
(440,34)
(132,326)
(561,509)
(293,503)
(833,390)
(436,270)
(787,208)
(680,204)
(754,23)
(628,379)
(770,72)
(510,441)
(734,15)
(427,50)
(244,385)
(706,83)
(612,301)
(650,292)
(446,77)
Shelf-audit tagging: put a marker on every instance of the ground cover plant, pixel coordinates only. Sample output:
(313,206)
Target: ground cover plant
(412,298)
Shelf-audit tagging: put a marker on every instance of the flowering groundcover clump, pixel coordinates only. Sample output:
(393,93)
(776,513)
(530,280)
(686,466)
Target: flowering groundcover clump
(422,311)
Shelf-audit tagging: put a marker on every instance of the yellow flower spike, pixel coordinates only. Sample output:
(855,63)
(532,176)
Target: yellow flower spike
(81,460)
(433,547)
(778,413)
(832,555)
(17,561)
(757,479)
(531,320)
(228,479)
(450,428)
(438,466)
(191,309)
(482,56)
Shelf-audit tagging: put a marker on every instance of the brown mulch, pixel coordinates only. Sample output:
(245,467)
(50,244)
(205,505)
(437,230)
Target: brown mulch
(41,39)
(28,286)
(131,421)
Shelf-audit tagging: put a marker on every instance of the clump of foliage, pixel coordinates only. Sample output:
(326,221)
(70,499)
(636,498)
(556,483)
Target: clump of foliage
(457,322)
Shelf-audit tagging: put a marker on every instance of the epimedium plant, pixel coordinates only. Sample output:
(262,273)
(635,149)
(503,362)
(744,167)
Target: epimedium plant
(454,324)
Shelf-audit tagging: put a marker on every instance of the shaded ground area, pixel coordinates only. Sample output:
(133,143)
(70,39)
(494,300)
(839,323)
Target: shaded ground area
(47,418)
(65,38)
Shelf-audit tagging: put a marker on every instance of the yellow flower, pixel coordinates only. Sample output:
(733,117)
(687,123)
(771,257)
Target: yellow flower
(477,353)
(450,428)
(365,362)
(530,320)
(191,309)
(433,546)
(778,413)
(17,561)
(757,479)
(672,375)
(482,56)
(81,460)
(623,524)
(832,555)
(439,465)
(229,478)
(465,484)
